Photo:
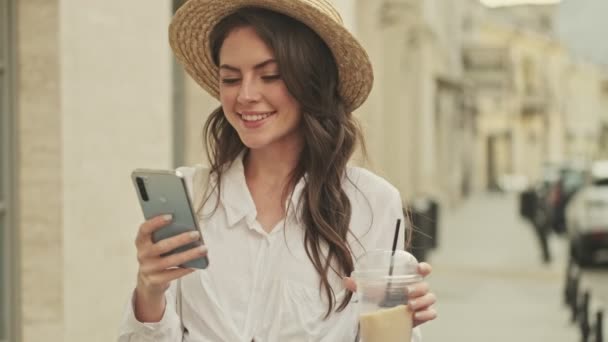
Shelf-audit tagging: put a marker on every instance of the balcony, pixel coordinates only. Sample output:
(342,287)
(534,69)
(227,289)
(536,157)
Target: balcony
(534,103)
(488,68)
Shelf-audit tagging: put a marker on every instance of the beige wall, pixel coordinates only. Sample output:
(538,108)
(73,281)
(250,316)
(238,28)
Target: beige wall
(39,171)
(94,85)
(532,131)
(540,61)
(370,113)
(390,115)
(557,57)
(197,107)
(584,109)
(412,45)
(116,109)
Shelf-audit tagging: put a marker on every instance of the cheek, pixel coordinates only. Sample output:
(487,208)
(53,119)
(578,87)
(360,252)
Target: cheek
(283,98)
(225,96)
(228,103)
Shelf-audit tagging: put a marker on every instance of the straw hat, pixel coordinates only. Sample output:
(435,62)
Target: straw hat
(193,22)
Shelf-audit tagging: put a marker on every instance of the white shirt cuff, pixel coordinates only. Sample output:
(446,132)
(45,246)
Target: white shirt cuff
(166,327)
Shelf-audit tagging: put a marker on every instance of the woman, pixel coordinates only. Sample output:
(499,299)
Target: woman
(285,217)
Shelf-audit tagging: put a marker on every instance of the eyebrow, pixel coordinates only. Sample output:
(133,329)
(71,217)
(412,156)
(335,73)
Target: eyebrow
(257,66)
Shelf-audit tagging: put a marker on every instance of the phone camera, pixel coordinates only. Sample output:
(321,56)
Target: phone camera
(142,188)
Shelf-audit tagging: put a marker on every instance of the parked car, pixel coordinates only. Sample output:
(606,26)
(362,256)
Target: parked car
(544,202)
(587,218)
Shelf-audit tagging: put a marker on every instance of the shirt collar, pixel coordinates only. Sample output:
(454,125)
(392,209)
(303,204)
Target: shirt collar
(237,200)
(235,195)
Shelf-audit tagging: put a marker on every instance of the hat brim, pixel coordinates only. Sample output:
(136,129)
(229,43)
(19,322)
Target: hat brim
(192,24)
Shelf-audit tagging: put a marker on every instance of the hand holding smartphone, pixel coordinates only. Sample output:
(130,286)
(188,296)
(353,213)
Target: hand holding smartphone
(163,192)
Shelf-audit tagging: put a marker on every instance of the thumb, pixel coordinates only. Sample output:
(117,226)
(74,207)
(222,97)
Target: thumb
(349,284)
(424,269)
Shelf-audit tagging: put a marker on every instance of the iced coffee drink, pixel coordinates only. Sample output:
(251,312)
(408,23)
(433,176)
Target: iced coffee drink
(382,292)
(391,324)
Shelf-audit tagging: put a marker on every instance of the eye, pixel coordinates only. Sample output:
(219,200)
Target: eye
(271,77)
(230,80)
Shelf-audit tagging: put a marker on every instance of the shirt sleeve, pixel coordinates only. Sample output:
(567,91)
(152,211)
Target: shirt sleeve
(168,329)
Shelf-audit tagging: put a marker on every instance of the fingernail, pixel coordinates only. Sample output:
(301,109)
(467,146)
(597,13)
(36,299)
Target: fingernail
(412,304)
(417,315)
(168,217)
(202,248)
(194,234)
(410,290)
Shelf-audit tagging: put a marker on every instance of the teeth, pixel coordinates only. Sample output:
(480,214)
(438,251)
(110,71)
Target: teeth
(255,117)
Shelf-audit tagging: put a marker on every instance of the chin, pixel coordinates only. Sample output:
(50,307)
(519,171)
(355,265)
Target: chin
(254,144)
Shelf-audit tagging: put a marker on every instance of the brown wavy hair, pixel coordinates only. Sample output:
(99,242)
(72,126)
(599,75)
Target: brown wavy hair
(330,132)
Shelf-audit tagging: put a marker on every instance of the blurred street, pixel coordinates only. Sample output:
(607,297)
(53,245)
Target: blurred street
(491,283)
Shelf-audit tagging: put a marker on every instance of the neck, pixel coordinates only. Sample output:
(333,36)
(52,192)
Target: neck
(272,166)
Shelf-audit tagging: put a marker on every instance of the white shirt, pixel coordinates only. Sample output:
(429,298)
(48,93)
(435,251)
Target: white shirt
(262,286)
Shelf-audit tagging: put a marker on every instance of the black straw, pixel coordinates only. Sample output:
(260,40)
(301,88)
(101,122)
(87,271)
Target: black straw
(395,239)
(396,235)
(390,299)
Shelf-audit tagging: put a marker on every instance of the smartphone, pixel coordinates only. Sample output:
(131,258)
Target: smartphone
(164,192)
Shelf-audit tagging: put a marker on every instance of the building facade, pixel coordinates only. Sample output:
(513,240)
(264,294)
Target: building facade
(417,123)
(536,103)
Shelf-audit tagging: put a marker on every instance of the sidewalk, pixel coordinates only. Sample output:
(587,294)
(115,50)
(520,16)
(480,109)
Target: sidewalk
(490,282)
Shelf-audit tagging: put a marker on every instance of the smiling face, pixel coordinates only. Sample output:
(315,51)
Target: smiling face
(254,98)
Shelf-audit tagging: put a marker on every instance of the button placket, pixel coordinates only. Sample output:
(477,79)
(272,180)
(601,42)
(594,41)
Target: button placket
(259,267)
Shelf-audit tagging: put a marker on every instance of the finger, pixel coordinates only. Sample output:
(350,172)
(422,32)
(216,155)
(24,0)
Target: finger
(349,284)
(424,269)
(147,228)
(417,290)
(167,276)
(421,303)
(424,316)
(174,260)
(169,244)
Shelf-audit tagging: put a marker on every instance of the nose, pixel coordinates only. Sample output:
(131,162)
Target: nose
(249,91)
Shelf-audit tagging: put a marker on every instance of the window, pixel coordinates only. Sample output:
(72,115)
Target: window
(7,308)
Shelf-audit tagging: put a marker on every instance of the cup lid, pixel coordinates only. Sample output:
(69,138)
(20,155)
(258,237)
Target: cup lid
(382,264)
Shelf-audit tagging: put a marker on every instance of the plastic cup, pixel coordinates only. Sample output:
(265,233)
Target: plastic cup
(382,280)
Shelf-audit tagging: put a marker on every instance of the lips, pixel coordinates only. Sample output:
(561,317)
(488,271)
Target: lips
(254,119)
